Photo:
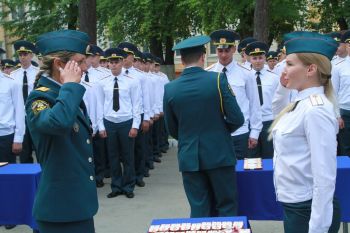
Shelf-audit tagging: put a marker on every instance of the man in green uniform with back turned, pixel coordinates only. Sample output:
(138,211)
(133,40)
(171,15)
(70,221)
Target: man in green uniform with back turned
(200,111)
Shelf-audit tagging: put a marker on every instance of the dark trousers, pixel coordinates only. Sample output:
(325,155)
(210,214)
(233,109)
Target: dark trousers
(149,147)
(264,149)
(86,226)
(209,190)
(140,154)
(121,146)
(6,154)
(164,143)
(240,145)
(26,156)
(98,144)
(156,138)
(344,134)
(296,217)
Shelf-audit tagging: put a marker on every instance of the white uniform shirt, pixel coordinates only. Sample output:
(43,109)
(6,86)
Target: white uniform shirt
(18,75)
(129,100)
(341,83)
(154,84)
(336,59)
(11,108)
(244,86)
(91,102)
(269,83)
(305,163)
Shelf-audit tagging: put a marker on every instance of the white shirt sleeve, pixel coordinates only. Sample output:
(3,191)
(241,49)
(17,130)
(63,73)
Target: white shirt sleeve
(17,98)
(321,130)
(281,99)
(255,117)
(136,98)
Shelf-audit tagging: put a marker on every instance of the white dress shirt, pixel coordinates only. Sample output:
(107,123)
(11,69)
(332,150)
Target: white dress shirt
(129,100)
(244,86)
(336,59)
(11,108)
(155,104)
(341,83)
(269,83)
(305,163)
(18,75)
(91,102)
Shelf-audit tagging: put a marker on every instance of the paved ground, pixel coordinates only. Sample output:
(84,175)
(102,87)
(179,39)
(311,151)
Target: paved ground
(163,197)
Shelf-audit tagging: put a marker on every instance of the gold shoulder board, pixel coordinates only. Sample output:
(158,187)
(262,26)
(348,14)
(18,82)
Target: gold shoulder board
(316,100)
(43,89)
(209,67)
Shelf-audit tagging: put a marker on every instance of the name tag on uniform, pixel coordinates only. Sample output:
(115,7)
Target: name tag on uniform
(252,164)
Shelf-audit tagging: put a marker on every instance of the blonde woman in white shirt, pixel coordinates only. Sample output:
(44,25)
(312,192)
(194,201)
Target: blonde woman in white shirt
(304,137)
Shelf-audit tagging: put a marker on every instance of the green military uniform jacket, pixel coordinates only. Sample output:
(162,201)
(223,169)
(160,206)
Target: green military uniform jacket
(200,111)
(61,134)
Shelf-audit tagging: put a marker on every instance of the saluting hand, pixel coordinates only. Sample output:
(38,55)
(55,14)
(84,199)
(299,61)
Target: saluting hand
(16,148)
(133,133)
(71,72)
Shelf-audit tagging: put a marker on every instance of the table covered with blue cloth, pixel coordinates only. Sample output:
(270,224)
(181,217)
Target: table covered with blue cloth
(257,198)
(18,185)
(198,220)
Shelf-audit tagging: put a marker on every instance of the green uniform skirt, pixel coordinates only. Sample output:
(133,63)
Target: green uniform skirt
(296,217)
(86,226)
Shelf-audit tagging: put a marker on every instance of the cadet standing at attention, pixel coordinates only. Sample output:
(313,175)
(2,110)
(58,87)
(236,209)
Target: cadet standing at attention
(267,83)
(304,138)
(25,76)
(271,58)
(122,121)
(243,83)
(66,200)
(200,111)
(7,66)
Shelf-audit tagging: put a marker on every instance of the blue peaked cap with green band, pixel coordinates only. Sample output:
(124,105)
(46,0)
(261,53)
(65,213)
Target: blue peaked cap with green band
(310,42)
(192,44)
(63,40)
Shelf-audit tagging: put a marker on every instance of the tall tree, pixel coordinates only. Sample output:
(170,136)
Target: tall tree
(261,20)
(87,18)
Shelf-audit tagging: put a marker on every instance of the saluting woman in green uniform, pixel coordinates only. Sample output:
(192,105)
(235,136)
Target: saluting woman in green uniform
(66,200)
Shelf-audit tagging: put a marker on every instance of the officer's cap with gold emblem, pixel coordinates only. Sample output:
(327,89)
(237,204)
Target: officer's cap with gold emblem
(224,38)
(243,44)
(256,48)
(63,40)
(24,46)
(103,56)
(310,42)
(138,55)
(94,50)
(271,55)
(192,44)
(346,37)
(337,36)
(115,53)
(128,47)
(148,57)
(158,61)
(7,63)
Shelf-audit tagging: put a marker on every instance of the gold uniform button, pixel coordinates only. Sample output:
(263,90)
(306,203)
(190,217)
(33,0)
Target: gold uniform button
(91,178)
(90,159)
(88,141)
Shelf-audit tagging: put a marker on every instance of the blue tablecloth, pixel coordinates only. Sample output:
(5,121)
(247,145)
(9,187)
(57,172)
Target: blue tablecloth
(257,198)
(196,220)
(18,185)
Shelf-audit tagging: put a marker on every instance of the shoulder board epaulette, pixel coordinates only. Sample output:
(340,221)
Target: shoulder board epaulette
(243,67)
(7,76)
(340,62)
(86,83)
(271,72)
(316,100)
(43,89)
(14,71)
(211,66)
(106,76)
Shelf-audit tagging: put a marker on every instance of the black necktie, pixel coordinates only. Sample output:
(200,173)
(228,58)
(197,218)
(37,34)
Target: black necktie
(116,95)
(295,106)
(25,86)
(126,71)
(224,70)
(258,82)
(86,76)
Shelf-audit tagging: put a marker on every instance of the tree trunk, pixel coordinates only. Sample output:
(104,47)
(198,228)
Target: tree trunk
(87,18)
(72,16)
(342,24)
(261,20)
(155,47)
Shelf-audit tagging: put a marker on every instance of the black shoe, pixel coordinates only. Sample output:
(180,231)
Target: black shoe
(140,183)
(146,174)
(107,176)
(99,184)
(130,195)
(114,194)
(151,166)
(9,227)
(157,160)
(163,151)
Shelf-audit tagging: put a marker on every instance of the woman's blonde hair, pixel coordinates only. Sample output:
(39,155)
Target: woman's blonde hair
(324,68)
(47,62)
